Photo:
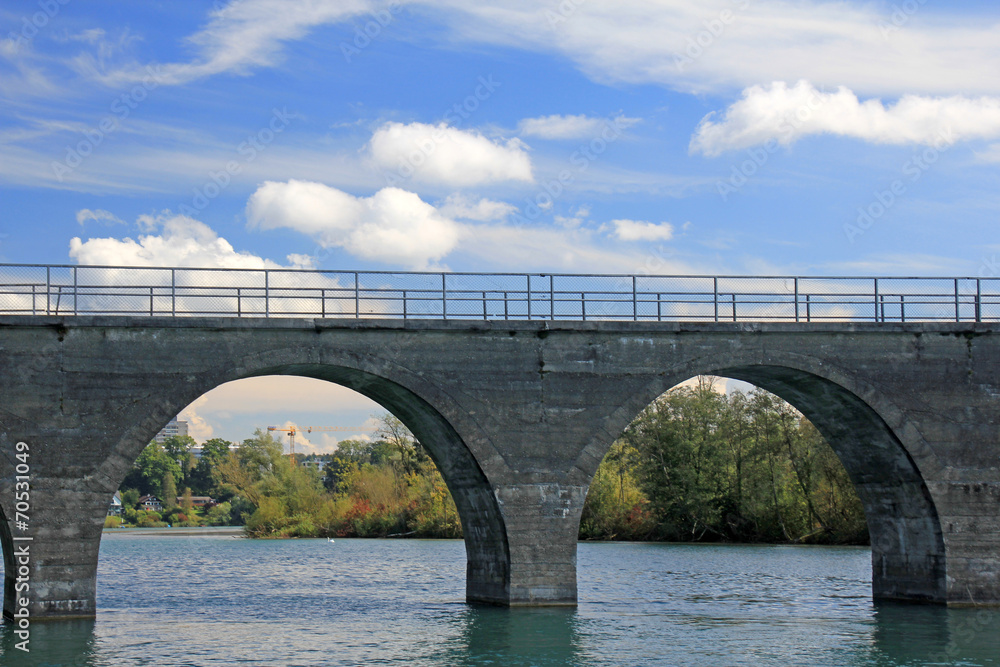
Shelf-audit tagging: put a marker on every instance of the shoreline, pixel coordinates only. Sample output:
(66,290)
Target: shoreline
(189,531)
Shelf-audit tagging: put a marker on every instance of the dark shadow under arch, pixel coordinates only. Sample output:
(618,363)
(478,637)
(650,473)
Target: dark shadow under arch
(487,575)
(908,552)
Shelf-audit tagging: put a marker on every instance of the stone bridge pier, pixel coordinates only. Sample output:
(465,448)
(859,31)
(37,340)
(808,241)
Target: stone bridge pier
(517,416)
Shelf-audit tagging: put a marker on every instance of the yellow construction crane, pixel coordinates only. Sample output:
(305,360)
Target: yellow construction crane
(292,430)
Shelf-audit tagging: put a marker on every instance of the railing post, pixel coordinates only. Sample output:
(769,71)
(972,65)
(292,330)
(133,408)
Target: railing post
(267,293)
(659,307)
(808,310)
(444,295)
(239,303)
(715,297)
(528,278)
(48,290)
(958,317)
(552,297)
(635,302)
(877,303)
(322,302)
(76,303)
(484,304)
(357,297)
(405,314)
(979,300)
(796,299)
(151,288)
(902,307)
(583,305)
(506,315)
(173,292)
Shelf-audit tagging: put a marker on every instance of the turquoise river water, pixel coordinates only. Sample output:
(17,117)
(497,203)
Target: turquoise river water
(212,599)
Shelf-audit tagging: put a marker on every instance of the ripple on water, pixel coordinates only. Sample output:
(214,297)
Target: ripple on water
(214,600)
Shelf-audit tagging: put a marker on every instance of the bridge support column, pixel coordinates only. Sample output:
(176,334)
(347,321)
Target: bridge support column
(970,523)
(55,552)
(543,521)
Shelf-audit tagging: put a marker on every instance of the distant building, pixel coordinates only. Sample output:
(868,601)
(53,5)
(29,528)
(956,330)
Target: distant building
(173,427)
(197,501)
(116,505)
(150,503)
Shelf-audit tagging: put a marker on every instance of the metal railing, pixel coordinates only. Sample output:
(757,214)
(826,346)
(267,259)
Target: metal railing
(67,290)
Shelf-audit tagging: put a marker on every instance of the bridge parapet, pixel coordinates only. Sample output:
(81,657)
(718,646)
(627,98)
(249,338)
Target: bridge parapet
(70,290)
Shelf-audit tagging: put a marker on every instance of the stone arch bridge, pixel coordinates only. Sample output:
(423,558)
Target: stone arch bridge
(517,415)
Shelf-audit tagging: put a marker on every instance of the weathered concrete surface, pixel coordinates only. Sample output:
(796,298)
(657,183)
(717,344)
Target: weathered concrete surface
(518,415)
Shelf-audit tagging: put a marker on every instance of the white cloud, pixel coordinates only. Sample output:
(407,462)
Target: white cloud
(719,45)
(639,230)
(459,206)
(788,113)
(183,241)
(444,155)
(570,127)
(392,226)
(710,45)
(199,428)
(85,215)
(573,250)
(239,37)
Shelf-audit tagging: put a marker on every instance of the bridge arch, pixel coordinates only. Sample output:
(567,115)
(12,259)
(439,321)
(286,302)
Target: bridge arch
(884,458)
(487,576)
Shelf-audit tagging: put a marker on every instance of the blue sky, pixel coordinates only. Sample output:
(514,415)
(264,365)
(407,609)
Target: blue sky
(724,136)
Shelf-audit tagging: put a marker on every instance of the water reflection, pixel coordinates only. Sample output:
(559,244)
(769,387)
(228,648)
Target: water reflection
(52,643)
(916,634)
(497,636)
(387,602)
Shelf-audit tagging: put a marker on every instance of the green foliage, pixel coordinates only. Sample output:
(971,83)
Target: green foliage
(130,498)
(112,522)
(150,469)
(168,493)
(694,465)
(700,465)
(220,515)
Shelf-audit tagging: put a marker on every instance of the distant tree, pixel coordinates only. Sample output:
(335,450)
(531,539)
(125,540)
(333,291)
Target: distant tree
(204,479)
(187,503)
(169,493)
(150,469)
(411,454)
(178,447)
(130,498)
(354,450)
